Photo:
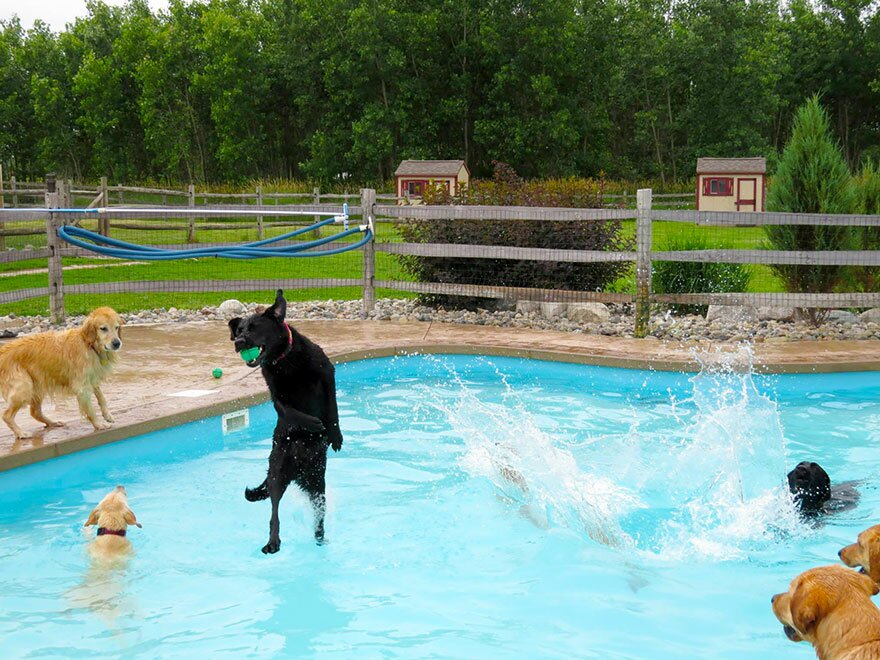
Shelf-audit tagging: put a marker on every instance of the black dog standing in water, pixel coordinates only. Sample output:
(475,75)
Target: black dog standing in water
(303,388)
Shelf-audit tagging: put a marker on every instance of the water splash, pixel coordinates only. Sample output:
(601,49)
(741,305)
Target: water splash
(697,474)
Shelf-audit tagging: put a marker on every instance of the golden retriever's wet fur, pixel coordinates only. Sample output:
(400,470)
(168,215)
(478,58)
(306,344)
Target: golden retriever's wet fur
(112,514)
(864,553)
(831,607)
(72,362)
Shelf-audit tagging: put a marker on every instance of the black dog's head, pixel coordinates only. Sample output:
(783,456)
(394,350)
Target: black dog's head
(264,330)
(810,485)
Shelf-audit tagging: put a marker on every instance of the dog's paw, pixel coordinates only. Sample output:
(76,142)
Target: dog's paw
(101,426)
(256,494)
(109,417)
(272,547)
(52,424)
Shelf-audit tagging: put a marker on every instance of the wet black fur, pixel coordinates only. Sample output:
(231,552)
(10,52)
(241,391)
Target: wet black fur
(303,388)
(813,493)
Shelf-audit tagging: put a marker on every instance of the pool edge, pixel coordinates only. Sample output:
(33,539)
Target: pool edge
(90,440)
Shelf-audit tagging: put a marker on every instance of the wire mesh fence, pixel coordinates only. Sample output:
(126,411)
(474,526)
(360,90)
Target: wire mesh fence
(681,260)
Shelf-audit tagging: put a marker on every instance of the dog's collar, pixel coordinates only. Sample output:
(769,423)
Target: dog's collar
(289,345)
(103,531)
(102,358)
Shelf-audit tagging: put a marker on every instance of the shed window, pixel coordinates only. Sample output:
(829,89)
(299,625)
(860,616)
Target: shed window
(415,187)
(718,186)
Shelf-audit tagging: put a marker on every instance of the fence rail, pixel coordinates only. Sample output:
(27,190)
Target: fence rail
(253,212)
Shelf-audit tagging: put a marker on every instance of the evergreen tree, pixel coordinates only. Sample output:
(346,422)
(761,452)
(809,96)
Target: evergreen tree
(812,177)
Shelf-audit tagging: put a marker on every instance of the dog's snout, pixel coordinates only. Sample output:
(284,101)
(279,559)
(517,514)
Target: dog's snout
(773,598)
(840,553)
(115,344)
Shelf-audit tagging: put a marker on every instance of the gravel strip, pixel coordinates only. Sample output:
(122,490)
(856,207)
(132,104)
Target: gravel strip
(664,326)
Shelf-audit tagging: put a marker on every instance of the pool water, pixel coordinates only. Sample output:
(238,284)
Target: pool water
(481,507)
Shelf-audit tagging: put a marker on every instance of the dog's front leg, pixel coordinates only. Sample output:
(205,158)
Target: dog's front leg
(102,403)
(293,419)
(84,398)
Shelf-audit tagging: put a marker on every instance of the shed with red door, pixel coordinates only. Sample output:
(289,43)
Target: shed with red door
(731,184)
(413,177)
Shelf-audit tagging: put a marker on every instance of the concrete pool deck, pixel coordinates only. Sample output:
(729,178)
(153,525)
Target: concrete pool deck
(164,375)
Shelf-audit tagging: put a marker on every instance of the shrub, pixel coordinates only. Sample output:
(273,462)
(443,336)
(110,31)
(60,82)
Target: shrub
(695,277)
(812,177)
(507,189)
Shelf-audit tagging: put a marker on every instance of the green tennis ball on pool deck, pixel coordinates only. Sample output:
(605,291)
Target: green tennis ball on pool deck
(217,372)
(249,354)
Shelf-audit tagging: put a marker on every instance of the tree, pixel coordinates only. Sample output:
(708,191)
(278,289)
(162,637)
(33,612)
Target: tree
(812,177)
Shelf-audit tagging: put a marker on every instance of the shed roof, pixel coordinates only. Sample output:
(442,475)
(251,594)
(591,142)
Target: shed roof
(731,165)
(429,168)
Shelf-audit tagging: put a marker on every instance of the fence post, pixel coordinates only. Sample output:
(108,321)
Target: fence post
(316,195)
(191,231)
(368,201)
(643,261)
(14,192)
(56,274)
(2,204)
(259,217)
(68,194)
(103,222)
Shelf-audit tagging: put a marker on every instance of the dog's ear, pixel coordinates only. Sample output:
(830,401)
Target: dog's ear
(93,518)
(233,327)
(809,603)
(278,310)
(130,518)
(90,330)
(873,542)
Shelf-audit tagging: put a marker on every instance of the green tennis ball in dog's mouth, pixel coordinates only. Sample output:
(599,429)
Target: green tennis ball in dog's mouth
(250,354)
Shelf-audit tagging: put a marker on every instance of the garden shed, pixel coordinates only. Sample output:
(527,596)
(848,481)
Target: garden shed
(731,184)
(414,176)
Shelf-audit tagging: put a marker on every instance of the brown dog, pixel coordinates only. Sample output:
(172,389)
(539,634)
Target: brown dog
(831,608)
(864,553)
(112,516)
(71,361)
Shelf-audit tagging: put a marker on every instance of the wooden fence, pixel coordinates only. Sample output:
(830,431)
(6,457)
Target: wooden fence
(370,206)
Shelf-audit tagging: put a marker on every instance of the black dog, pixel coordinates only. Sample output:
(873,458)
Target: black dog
(813,493)
(301,380)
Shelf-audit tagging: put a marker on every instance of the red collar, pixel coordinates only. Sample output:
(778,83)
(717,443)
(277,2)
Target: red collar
(289,345)
(103,531)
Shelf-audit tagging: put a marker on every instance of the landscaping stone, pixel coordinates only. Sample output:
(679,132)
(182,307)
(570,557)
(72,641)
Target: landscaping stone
(232,308)
(731,313)
(588,312)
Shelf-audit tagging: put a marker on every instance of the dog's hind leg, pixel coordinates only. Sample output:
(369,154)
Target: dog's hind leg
(102,403)
(16,398)
(261,492)
(313,482)
(37,413)
(277,481)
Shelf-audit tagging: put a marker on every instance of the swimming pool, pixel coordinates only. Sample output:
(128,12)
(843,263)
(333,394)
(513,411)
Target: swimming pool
(481,507)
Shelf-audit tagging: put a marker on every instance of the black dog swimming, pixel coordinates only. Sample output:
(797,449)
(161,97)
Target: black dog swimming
(814,494)
(302,383)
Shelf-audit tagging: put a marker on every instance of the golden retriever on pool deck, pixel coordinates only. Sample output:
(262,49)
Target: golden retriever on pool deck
(112,516)
(71,361)
(864,553)
(831,607)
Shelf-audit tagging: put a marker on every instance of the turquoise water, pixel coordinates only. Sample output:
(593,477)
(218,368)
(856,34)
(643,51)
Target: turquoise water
(481,507)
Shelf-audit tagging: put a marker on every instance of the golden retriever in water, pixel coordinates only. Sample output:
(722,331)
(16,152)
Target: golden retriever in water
(831,607)
(112,516)
(864,553)
(71,361)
